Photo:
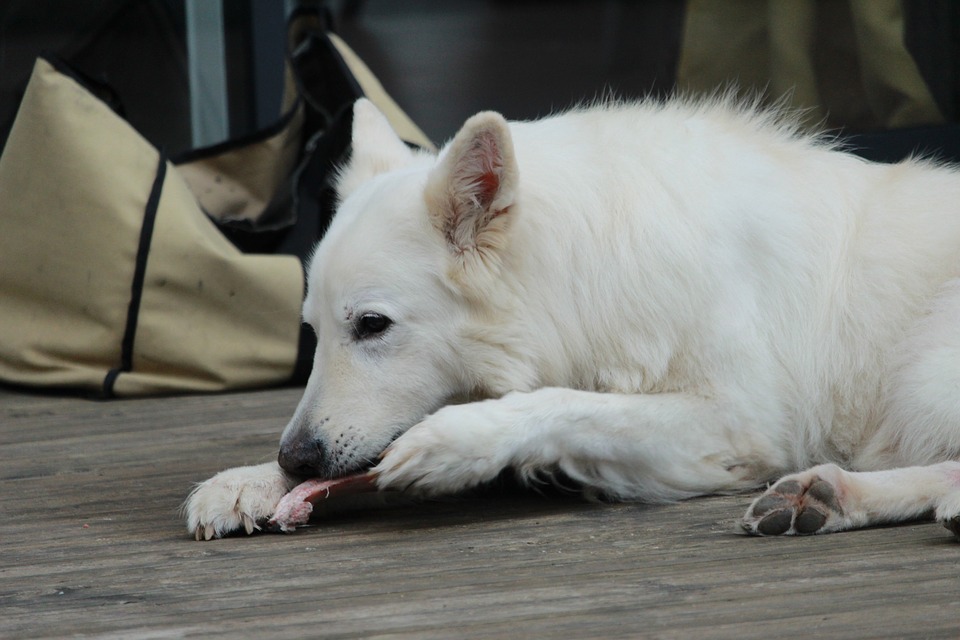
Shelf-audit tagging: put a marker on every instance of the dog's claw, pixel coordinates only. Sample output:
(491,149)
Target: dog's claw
(235,500)
(248,523)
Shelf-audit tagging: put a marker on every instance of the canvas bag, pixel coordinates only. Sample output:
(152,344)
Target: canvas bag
(121,272)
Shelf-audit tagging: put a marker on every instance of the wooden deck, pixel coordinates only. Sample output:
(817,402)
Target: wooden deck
(91,545)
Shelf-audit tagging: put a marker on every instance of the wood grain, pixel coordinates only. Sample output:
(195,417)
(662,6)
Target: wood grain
(91,544)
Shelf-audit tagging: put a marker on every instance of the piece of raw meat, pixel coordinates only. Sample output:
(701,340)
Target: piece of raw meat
(294,509)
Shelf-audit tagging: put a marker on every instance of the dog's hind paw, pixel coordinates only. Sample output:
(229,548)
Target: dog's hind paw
(236,499)
(800,504)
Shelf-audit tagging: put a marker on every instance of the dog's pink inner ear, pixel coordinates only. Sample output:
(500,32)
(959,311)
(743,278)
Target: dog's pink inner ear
(474,184)
(484,170)
(481,179)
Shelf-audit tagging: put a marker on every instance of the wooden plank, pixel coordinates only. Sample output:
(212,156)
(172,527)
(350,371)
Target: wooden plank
(90,543)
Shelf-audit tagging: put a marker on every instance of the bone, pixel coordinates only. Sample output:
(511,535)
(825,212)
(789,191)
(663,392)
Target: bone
(294,509)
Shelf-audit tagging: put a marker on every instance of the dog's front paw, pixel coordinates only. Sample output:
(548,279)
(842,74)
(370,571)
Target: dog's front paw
(242,497)
(456,448)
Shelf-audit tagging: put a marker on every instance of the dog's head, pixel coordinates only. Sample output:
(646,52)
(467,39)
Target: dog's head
(395,291)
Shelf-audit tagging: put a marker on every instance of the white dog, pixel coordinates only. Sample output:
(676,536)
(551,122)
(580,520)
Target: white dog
(659,300)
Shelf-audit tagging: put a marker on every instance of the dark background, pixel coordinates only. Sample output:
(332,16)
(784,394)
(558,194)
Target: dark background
(442,60)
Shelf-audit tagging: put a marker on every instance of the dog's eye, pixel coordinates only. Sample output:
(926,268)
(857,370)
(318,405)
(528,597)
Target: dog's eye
(370,325)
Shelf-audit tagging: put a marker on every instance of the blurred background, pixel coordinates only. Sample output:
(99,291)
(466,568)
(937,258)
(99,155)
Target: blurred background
(189,73)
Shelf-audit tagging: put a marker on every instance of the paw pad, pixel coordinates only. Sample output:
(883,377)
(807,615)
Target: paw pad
(790,508)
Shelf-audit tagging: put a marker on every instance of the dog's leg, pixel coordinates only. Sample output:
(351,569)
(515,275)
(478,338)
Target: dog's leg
(243,497)
(920,425)
(827,498)
(649,447)
(920,416)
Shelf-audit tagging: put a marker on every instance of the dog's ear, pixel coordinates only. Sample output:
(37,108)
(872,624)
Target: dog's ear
(470,191)
(376,148)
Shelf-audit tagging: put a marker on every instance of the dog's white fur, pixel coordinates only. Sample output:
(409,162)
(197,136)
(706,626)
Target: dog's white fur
(660,300)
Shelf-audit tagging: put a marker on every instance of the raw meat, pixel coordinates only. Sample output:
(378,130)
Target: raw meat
(294,509)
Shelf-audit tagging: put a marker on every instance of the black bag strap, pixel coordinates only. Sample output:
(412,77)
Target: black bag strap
(139,274)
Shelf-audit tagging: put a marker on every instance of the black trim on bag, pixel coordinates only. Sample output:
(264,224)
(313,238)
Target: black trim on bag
(97,88)
(239,142)
(139,275)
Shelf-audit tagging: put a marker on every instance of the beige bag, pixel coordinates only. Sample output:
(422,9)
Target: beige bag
(114,277)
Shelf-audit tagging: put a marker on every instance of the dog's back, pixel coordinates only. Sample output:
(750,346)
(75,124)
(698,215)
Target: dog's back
(690,245)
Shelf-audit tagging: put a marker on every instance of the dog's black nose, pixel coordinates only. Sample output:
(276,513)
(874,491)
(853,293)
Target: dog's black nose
(303,458)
